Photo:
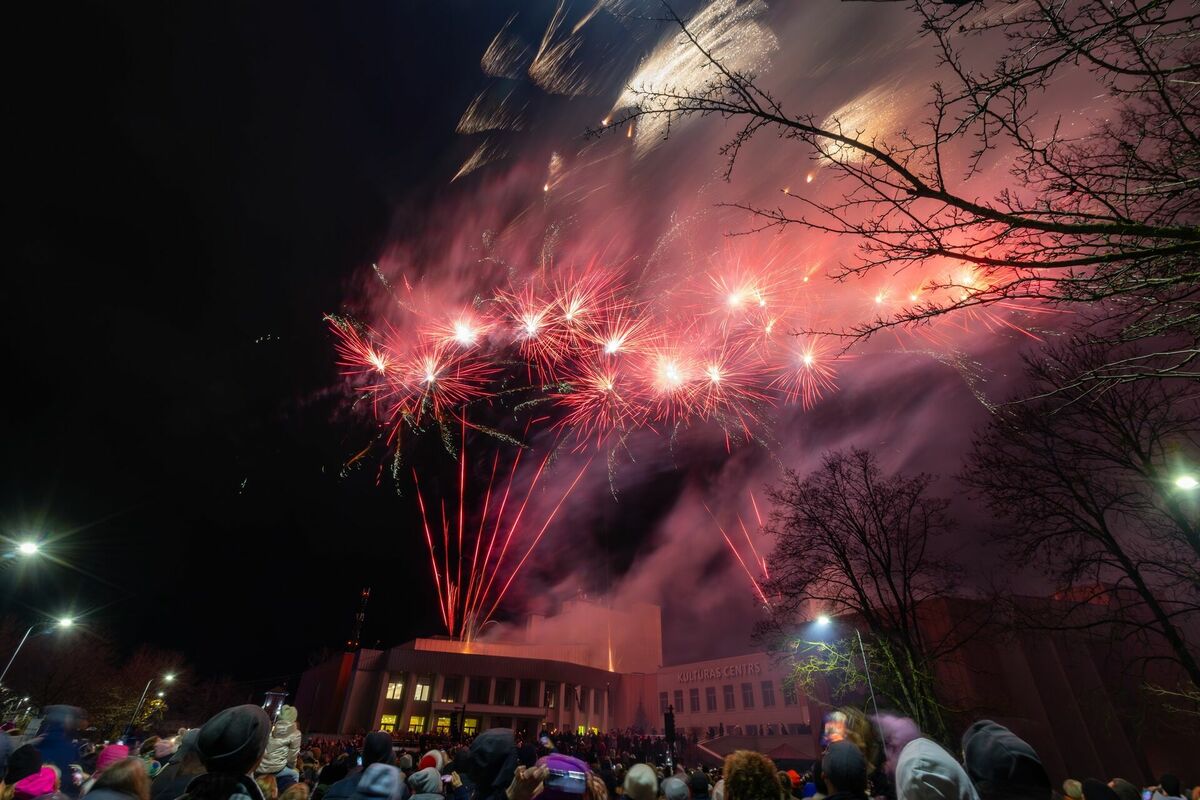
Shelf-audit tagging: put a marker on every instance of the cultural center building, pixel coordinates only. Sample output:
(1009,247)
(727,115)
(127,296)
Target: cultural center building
(588,668)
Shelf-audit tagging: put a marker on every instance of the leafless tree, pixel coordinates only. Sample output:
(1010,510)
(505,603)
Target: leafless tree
(1103,224)
(850,540)
(1084,485)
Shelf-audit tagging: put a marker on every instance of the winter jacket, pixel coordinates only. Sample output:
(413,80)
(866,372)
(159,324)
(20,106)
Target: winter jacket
(380,782)
(1001,764)
(282,748)
(925,771)
(343,789)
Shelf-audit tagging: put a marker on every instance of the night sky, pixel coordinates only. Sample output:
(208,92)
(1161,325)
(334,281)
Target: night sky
(191,188)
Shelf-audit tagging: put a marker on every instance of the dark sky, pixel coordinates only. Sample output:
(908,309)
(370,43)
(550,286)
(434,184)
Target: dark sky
(190,187)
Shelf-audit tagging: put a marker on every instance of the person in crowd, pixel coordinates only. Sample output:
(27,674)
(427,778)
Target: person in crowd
(111,754)
(1124,789)
(785,785)
(405,763)
(58,747)
(268,786)
(750,776)
(492,763)
(44,784)
(329,775)
(698,783)
(381,782)
(1003,765)
(1168,788)
(297,791)
(641,782)
(926,771)
(377,749)
(24,762)
(284,746)
(844,769)
(173,779)
(1072,789)
(426,784)
(1092,789)
(231,745)
(674,789)
(718,792)
(127,779)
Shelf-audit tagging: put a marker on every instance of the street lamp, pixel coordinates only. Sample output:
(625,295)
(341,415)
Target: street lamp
(28,548)
(63,622)
(1187,482)
(129,728)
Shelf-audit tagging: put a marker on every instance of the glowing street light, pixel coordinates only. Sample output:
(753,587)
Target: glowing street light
(28,548)
(61,622)
(1187,482)
(823,620)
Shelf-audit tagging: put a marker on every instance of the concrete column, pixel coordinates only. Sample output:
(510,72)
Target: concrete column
(562,710)
(373,722)
(491,691)
(406,705)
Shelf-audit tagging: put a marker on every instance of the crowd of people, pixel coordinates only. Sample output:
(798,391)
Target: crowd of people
(241,754)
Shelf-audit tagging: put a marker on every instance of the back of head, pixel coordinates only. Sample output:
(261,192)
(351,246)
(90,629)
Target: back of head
(297,791)
(1125,790)
(698,783)
(751,776)
(234,740)
(1072,789)
(925,771)
(22,762)
(1093,789)
(1002,764)
(1169,784)
(288,714)
(675,789)
(379,782)
(493,760)
(127,776)
(425,781)
(641,782)
(377,749)
(268,785)
(844,768)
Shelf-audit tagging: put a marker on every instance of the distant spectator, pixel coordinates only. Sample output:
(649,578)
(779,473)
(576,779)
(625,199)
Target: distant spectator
(1124,789)
(674,789)
(184,766)
(1003,765)
(283,747)
(698,783)
(1093,789)
(268,786)
(1168,787)
(377,749)
(125,780)
(844,768)
(1072,789)
(297,791)
(926,771)
(58,747)
(750,776)
(641,782)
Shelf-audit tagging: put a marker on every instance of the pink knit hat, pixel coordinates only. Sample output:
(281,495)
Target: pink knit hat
(35,785)
(110,755)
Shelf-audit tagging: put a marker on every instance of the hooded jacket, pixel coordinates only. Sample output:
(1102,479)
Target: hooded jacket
(380,782)
(284,744)
(1003,765)
(925,771)
(426,784)
(492,763)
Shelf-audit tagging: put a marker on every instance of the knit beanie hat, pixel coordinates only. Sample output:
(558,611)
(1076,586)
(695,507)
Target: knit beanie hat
(233,741)
(377,749)
(845,767)
(110,755)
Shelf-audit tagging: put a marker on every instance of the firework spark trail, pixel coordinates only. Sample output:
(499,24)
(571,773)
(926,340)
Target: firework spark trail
(762,562)
(753,581)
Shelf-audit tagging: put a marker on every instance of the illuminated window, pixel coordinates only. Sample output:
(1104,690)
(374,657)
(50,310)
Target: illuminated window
(395,691)
(442,725)
(728,690)
(679,701)
(768,694)
(422,693)
(694,700)
(662,702)
(387,723)
(416,724)
(710,698)
(470,726)
(581,730)
(747,695)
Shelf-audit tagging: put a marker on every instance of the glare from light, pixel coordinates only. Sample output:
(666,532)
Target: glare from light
(823,620)
(1187,482)
(65,622)
(29,548)
(169,677)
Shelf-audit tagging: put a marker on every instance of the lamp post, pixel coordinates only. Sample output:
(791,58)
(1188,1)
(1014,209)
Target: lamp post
(64,622)
(824,621)
(137,709)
